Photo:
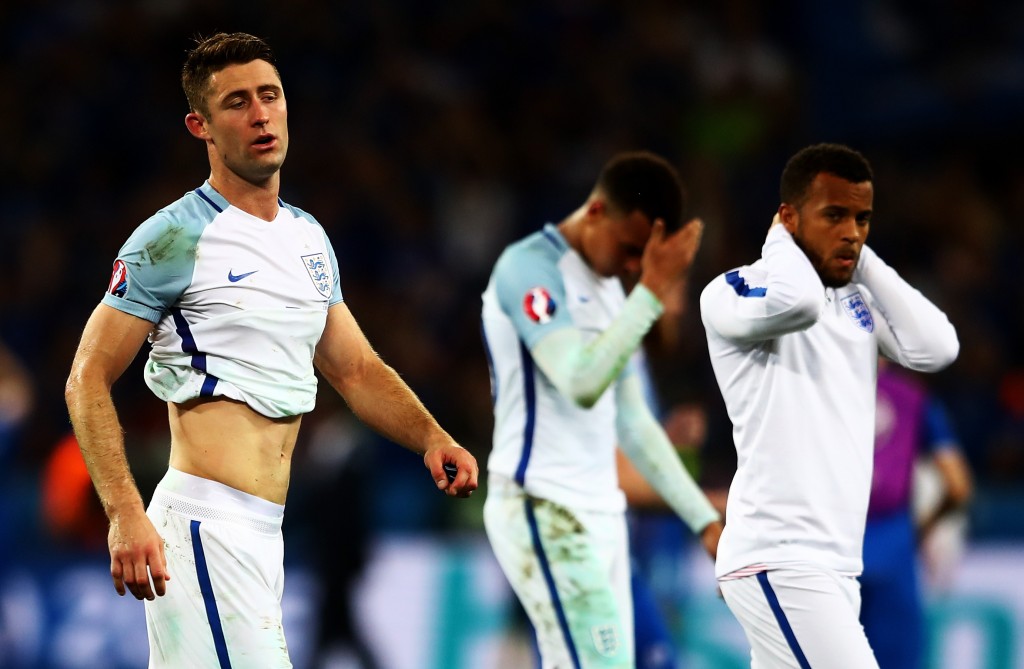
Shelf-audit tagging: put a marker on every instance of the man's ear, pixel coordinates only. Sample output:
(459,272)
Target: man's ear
(196,125)
(596,207)
(789,217)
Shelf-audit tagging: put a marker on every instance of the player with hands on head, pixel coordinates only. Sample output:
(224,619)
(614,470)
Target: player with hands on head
(561,335)
(794,341)
(239,296)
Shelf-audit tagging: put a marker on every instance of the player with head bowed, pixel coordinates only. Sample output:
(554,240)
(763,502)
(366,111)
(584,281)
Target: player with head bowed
(560,334)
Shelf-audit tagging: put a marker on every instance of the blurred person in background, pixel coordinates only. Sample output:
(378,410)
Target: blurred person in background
(560,333)
(658,543)
(794,341)
(16,398)
(910,424)
(239,296)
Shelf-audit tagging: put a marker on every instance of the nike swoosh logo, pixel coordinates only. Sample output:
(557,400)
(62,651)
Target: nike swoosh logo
(238,277)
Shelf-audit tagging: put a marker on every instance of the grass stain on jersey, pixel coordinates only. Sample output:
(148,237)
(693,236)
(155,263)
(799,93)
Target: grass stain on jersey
(172,244)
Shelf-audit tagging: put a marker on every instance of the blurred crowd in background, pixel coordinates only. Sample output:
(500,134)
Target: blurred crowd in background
(425,136)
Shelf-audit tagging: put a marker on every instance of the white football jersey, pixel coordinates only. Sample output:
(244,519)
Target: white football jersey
(796,363)
(551,447)
(239,303)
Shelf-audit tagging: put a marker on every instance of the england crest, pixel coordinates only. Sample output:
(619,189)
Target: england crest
(538,305)
(859,312)
(606,639)
(316,266)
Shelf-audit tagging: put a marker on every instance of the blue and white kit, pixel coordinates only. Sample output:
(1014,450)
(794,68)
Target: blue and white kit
(796,363)
(239,305)
(554,513)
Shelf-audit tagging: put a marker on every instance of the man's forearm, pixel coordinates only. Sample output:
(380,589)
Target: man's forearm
(385,403)
(582,372)
(101,441)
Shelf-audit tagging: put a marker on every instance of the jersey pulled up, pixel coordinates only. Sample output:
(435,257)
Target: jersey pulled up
(796,365)
(238,303)
(548,445)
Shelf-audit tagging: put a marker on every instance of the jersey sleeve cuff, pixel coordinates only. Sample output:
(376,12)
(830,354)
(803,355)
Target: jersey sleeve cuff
(133,308)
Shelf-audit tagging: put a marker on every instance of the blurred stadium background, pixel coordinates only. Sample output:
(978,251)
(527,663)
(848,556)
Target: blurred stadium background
(426,136)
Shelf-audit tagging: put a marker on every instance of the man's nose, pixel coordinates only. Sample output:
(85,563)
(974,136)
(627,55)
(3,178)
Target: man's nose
(851,230)
(260,114)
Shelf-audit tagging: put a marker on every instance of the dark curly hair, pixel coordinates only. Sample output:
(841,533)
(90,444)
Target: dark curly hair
(645,182)
(807,163)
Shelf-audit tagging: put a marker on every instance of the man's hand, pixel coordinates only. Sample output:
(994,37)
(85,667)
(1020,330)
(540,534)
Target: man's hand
(709,537)
(136,553)
(667,258)
(465,481)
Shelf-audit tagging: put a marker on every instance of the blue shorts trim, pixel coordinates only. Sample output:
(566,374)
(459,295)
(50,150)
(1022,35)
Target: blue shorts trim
(549,578)
(206,587)
(780,616)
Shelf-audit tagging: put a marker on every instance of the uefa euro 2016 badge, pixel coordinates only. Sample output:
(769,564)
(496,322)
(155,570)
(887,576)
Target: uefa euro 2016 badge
(538,305)
(316,266)
(859,312)
(118,279)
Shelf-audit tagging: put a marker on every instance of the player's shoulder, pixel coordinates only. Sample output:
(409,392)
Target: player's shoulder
(542,248)
(298,214)
(744,281)
(175,226)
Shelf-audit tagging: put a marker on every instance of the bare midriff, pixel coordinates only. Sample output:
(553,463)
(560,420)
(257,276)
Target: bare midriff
(226,441)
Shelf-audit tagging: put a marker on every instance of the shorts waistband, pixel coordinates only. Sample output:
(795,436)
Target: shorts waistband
(498,484)
(204,499)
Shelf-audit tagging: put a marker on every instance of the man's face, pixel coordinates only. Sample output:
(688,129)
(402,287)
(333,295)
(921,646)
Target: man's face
(613,243)
(248,120)
(832,225)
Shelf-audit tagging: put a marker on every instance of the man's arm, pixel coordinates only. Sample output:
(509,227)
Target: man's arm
(644,441)
(952,467)
(382,400)
(789,298)
(917,334)
(109,343)
(582,372)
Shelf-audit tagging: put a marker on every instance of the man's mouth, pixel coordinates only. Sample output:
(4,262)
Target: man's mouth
(264,140)
(846,258)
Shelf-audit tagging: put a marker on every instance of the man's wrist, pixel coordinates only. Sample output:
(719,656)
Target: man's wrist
(647,295)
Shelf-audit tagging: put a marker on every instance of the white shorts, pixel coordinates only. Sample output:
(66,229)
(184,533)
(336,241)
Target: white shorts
(798,619)
(570,570)
(225,555)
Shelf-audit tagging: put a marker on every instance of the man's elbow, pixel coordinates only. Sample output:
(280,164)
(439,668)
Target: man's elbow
(585,398)
(949,351)
(75,385)
(939,356)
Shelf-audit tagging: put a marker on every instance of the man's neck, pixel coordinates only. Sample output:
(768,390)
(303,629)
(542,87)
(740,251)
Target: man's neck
(259,199)
(571,227)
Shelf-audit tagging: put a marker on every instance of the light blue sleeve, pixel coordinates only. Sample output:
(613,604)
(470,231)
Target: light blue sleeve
(531,291)
(155,265)
(336,295)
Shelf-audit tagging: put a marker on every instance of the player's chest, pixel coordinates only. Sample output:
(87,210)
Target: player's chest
(845,333)
(274,266)
(592,301)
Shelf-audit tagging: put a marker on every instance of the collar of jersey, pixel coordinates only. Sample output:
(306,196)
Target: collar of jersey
(215,197)
(552,234)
